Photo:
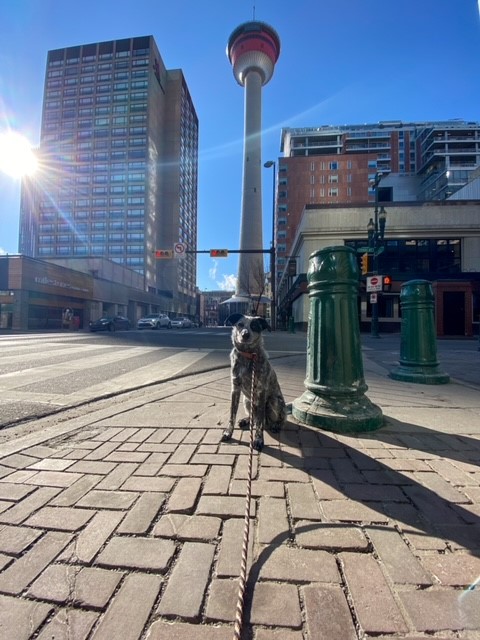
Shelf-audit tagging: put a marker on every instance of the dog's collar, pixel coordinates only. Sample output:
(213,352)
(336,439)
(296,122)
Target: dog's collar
(248,355)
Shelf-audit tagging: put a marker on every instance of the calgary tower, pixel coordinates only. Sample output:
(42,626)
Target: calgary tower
(253,49)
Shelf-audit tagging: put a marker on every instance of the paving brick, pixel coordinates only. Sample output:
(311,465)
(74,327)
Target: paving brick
(60,518)
(184,470)
(431,507)
(278,634)
(303,501)
(230,556)
(89,541)
(13,540)
(276,605)
(68,584)
(217,481)
(451,473)
(147,483)
(273,524)
(21,618)
(141,435)
(184,496)
(259,489)
(99,499)
(374,493)
(176,436)
(101,452)
(350,511)
(18,461)
(315,535)
(22,510)
(187,584)
(240,471)
(142,514)
(53,478)
(297,565)
(440,487)
(399,562)
(19,476)
(215,458)
(128,446)
(93,466)
(283,474)
(159,435)
(21,573)
(442,610)
(149,468)
(222,506)
(327,614)
(39,451)
(116,478)
(365,581)
(124,434)
(137,553)
(127,456)
(128,613)
(179,526)
(326,486)
(183,454)
(453,569)
(104,436)
(420,540)
(74,492)
(69,624)
(222,600)
(51,464)
(13,492)
(161,630)
(195,436)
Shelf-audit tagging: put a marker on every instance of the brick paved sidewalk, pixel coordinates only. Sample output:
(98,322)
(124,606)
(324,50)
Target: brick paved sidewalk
(127,523)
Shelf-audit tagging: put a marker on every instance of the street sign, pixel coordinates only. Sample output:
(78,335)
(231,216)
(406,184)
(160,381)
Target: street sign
(373,298)
(374,283)
(180,250)
(163,254)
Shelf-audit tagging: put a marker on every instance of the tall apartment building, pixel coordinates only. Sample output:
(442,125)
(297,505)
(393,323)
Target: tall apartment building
(119,165)
(329,165)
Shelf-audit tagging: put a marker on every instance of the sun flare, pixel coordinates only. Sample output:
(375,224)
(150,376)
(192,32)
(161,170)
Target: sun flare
(16,156)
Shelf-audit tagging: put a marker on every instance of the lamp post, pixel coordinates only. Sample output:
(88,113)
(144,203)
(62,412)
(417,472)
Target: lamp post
(269,164)
(376,232)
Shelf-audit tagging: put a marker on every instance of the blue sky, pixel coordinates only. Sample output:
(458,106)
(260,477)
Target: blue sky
(341,62)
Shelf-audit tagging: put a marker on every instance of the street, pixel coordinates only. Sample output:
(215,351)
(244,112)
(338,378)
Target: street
(42,373)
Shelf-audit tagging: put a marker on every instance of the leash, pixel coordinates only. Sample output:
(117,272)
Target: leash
(246,530)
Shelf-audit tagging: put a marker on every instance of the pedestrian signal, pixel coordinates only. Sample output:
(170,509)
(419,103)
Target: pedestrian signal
(387,283)
(364,261)
(219,253)
(163,253)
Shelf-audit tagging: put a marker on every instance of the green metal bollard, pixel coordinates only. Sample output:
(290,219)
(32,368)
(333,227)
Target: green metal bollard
(334,399)
(418,346)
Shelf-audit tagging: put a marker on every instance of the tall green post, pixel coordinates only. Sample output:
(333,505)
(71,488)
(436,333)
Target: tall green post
(335,386)
(418,346)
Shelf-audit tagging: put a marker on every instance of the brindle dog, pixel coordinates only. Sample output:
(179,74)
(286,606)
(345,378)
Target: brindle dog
(268,409)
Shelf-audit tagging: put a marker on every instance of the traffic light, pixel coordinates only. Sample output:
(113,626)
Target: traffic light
(219,253)
(387,283)
(364,261)
(163,253)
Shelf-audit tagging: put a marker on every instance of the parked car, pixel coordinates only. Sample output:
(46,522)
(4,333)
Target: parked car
(154,321)
(181,323)
(110,323)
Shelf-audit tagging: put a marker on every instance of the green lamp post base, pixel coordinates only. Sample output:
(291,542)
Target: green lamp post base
(419,374)
(339,414)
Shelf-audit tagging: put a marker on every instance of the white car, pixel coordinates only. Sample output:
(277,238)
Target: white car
(154,321)
(181,323)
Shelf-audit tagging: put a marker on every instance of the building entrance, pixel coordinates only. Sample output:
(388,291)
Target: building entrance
(454,313)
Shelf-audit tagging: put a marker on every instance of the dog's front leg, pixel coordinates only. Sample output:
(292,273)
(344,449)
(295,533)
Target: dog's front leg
(234,401)
(259,418)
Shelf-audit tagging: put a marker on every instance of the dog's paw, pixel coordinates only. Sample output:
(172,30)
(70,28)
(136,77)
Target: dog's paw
(258,444)
(226,435)
(244,423)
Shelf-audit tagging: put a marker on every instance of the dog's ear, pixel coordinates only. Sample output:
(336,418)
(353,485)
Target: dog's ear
(259,324)
(233,319)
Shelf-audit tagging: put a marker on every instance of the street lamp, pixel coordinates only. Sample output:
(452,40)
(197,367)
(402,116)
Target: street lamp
(376,232)
(268,165)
